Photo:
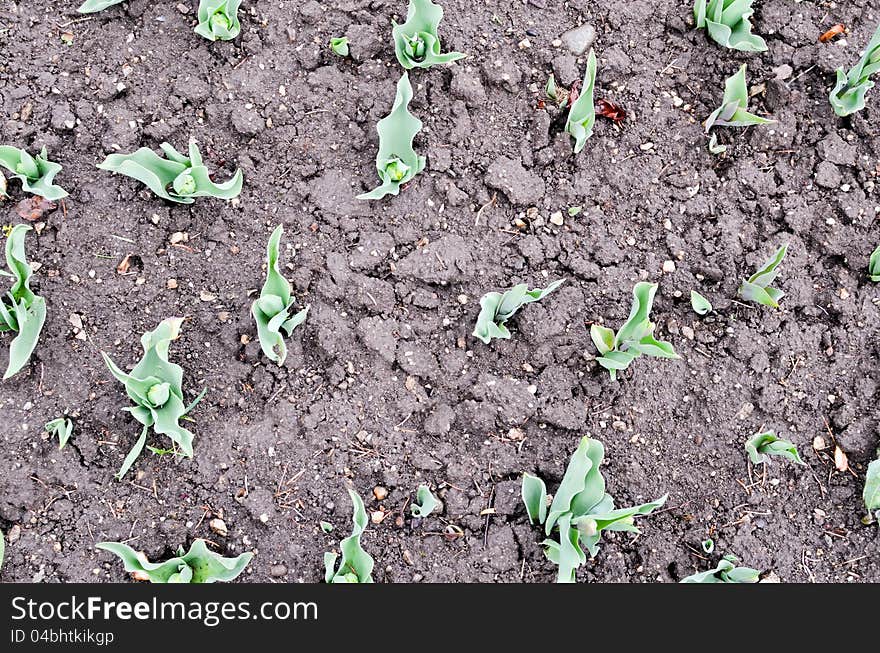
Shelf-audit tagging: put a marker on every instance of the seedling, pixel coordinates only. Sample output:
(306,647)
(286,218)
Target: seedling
(218,19)
(559,95)
(198,565)
(636,336)
(155,387)
(176,178)
(725,572)
(757,287)
(326,526)
(339,45)
(425,503)
(356,565)
(708,546)
(700,304)
(733,110)
(874,265)
(91,6)
(271,310)
(2,548)
(727,22)
(582,114)
(581,510)
(763,445)
(21,310)
(62,428)
(871,493)
(36,173)
(496,308)
(848,94)
(416,43)
(397,161)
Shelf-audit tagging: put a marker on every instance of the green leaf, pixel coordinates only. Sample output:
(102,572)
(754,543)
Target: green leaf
(874,265)
(714,147)
(727,22)
(326,526)
(725,572)
(416,43)
(397,161)
(757,289)
(218,19)
(339,45)
(848,94)
(582,114)
(700,304)
(425,502)
(762,445)
(61,428)
(2,548)
(497,308)
(732,112)
(198,565)
(581,482)
(593,523)
(36,174)
(871,493)
(21,310)
(356,565)
(534,496)
(91,6)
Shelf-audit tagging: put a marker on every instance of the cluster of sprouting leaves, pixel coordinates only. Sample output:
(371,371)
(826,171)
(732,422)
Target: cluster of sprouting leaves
(725,572)
(871,492)
(21,310)
(496,308)
(757,287)
(733,111)
(425,502)
(848,94)
(397,161)
(636,336)
(177,178)
(727,22)
(91,6)
(62,428)
(271,310)
(763,445)
(581,510)
(356,565)
(416,43)
(582,114)
(36,173)
(700,304)
(198,565)
(218,19)
(155,387)
(339,45)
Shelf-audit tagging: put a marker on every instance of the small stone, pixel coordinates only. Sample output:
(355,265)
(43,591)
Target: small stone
(377,516)
(205,296)
(178,237)
(644,147)
(525,44)
(745,410)
(380,493)
(182,8)
(218,526)
(171,284)
(819,443)
(687,332)
(463,299)
(556,218)
(669,266)
(617,425)
(264,518)
(579,39)
(277,571)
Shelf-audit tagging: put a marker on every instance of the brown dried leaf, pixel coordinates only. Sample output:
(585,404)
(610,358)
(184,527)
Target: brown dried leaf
(610,110)
(124,265)
(33,208)
(830,34)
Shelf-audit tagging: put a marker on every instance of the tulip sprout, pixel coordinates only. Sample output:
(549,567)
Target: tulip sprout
(397,161)
(21,310)
(425,502)
(636,336)
(271,311)
(339,45)
(198,565)
(700,304)
(581,510)
(62,427)
(727,22)
(733,110)
(356,565)
(416,43)
(848,94)
(91,6)
(757,289)
(36,173)
(155,386)
(763,445)
(874,265)
(582,114)
(2,548)
(725,572)
(218,19)
(496,308)
(187,177)
(871,493)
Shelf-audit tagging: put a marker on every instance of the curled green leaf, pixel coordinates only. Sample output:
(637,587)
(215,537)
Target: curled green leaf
(848,94)
(36,173)
(763,445)
(339,45)
(757,287)
(356,565)
(21,310)
(700,304)
(326,526)
(871,492)
(218,19)
(177,178)
(708,546)
(416,43)
(91,6)
(714,146)
(272,310)
(62,428)
(582,114)
(733,110)
(725,572)
(198,565)
(727,22)
(874,265)
(397,161)
(497,308)
(425,502)
(534,496)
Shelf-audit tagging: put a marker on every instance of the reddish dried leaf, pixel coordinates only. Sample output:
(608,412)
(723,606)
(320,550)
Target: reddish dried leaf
(34,208)
(830,34)
(611,110)
(124,265)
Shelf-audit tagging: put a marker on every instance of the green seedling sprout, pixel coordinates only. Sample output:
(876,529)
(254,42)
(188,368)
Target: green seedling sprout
(871,493)
(425,502)
(725,572)
(218,19)
(874,265)
(416,43)
(339,45)
(62,427)
(757,287)
(581,510)
(326,526)
(3,186)
(2,548)
(397,161)
(700,304)
(155,387)
(36,173)
(271,310)
(733,110)
(198,565)
(636,336)
(848,94)
(176,178)
(91,6)
(582,114)
(763,445)
(496,308)
(356,565)
(708,546)
(21,310)
(727,22)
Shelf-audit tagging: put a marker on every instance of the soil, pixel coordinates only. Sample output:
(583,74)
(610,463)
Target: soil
(384,384)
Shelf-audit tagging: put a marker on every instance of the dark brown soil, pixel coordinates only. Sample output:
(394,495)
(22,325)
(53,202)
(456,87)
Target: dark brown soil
(384,384)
